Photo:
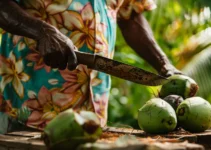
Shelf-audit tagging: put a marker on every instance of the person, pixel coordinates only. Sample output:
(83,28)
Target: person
(39,73)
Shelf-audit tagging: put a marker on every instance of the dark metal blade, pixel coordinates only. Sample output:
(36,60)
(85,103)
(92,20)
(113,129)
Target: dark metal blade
(127,72)
(120,70)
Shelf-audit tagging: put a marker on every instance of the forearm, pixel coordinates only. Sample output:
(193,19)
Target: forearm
(15,20)
(139,36)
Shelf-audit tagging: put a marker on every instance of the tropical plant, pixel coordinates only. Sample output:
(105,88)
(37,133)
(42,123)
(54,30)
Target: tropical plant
(196,59)
(174,23)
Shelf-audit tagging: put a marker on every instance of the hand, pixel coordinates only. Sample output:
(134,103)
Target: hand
(56,48)
(169,70)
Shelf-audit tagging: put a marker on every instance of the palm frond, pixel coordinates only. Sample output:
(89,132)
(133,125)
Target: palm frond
(195,45)
(199,68)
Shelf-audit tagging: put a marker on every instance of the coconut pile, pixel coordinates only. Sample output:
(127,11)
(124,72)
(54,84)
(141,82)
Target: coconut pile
(176,106)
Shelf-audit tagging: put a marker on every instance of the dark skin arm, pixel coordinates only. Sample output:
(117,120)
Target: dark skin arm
(12,17)
(56,48)
(139,37)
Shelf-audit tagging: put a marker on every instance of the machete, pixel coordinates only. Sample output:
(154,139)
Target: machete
(119,69)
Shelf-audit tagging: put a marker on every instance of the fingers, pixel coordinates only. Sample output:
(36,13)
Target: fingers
(63,65)
(57,51)
(56,60)
(47,60)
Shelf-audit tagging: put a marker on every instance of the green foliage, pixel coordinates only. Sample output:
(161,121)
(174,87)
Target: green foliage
(23,114)
(200,69)
(173,23)
(127,97)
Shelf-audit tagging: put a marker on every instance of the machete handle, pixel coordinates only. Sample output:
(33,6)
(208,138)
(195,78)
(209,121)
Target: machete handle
(85,59)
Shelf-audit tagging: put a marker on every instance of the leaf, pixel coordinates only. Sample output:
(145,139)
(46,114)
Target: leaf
(53,81)
(16,39)
(199,68)
(30,64)
(58,6)
(195,45)
(32,94)
(23,114)
(21,46)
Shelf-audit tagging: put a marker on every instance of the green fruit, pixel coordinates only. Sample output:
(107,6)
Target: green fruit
(174,100)
(157,116)
(179,85)
(194,114)
(70,129)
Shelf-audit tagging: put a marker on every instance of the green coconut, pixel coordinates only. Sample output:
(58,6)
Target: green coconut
(157,116)
(194,114)
(179,85)
(174,100)
(70,129)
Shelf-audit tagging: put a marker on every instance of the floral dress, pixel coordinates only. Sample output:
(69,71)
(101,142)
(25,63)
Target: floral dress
(34,93)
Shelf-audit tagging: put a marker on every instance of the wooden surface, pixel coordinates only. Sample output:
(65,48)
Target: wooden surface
(117,139)
(201,138)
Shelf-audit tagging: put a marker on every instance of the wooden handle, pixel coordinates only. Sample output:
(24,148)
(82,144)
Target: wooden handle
(85,59)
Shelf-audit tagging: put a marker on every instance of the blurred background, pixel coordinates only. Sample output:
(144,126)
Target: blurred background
(183,30)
